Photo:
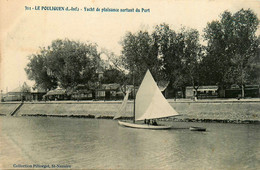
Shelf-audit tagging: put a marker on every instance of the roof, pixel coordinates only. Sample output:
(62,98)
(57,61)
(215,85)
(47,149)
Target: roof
(251,86)
(113,86)
(23,88)
(204,87)
(38,90)
(85,91)
(56,92)
(129,87)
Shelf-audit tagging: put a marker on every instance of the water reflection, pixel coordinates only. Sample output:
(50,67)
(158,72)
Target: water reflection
(91,143)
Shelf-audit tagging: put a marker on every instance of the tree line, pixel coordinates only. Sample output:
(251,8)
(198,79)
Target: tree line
(227,54)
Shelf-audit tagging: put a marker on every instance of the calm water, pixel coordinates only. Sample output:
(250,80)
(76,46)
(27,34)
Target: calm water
(91,143)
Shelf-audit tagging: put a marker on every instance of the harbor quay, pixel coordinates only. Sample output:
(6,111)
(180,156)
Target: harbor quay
(224,111)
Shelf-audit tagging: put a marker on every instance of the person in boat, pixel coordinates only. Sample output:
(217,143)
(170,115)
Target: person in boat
(148,121)
(144,121)
(154,123)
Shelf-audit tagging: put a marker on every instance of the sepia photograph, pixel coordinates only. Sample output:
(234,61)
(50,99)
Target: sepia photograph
(133,84)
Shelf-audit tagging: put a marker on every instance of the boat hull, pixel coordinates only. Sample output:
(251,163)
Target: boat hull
(143,126)
(197,128)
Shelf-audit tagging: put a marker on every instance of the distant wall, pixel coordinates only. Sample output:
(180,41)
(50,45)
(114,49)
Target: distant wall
(91,108)
(218,110)
(8,108)
(190,110)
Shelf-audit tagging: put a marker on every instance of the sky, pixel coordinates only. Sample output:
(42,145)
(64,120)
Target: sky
(22,31)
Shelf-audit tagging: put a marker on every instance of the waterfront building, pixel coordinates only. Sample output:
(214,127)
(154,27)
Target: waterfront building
(82,92)
(203,92)
(57,94)
(235,91)
(37,94)
(108,91)
(21,93)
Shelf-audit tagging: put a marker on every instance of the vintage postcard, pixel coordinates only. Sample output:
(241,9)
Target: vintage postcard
(133,84)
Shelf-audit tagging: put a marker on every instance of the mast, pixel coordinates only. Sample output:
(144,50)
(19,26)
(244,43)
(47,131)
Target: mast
(134,97)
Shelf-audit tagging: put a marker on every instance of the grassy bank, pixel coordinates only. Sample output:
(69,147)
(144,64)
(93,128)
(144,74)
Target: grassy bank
(204,111)
(218,111)
(7,108)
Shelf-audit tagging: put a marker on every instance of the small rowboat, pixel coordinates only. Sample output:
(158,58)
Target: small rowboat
(193,128)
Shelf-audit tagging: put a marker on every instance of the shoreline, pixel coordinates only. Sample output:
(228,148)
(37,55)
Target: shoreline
(216,100)
(243,111)
(165,119)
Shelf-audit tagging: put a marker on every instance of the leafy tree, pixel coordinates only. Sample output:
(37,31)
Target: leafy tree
(180,53)
(113,61)
(169,55)
(139,54)
(254,67)
(113,75)
(191,58)
(168,50)
(37,70)
(231,45)
(65,63)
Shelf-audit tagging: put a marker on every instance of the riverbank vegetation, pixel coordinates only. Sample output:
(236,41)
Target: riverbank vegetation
(226,53)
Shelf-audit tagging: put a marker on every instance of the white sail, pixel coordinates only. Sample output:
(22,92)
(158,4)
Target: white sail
(150,102)
(122,108)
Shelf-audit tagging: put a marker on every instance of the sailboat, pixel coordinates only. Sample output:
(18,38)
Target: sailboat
(149,104)
(122,108)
